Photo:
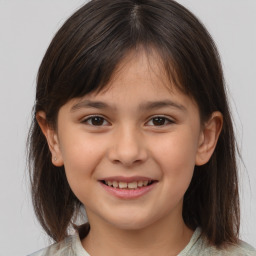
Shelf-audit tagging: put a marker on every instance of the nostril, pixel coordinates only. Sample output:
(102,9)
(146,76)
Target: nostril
(127,151)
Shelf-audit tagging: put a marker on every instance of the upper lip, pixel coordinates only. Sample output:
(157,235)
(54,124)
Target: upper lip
(127,179)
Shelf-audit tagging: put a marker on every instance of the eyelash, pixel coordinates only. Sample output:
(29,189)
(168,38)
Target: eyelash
(167,121)
(91,117)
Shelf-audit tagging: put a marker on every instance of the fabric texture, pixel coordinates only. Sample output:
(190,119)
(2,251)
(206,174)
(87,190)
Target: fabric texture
(198,246)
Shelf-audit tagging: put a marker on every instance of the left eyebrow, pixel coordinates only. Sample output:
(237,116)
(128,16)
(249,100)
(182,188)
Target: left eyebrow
(151,105)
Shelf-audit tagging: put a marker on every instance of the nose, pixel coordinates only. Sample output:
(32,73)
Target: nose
(127,147)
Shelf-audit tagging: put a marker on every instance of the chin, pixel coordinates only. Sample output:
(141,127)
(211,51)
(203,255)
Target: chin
(130,222)
(130,226)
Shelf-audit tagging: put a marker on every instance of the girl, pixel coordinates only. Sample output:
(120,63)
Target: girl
(132,123)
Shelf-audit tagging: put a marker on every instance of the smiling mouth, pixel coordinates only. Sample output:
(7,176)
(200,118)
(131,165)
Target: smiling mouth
(129,185)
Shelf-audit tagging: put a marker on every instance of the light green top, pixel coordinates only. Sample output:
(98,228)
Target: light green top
(198,246)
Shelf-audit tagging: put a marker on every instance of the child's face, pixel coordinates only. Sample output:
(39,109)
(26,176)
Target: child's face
(142,132)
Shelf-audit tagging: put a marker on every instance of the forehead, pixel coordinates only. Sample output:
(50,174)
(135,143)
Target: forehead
(140,67)
(139,80)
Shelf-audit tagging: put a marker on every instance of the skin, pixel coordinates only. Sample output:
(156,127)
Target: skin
(128,141)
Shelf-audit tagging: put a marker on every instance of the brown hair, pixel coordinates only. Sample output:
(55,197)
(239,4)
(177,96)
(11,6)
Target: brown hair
(82,57)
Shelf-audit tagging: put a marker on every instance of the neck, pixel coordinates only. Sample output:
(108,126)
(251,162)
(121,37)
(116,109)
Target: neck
(164,237)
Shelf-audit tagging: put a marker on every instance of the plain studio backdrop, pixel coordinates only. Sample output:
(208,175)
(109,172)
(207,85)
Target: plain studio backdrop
(26,29)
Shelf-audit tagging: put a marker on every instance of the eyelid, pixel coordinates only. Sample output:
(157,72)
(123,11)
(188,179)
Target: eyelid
(168,119)
(85,120)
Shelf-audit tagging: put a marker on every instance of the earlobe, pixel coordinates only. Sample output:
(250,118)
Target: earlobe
(209,138)
(51,137)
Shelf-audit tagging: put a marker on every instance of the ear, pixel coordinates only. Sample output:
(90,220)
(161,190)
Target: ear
(51,137)
(209,137)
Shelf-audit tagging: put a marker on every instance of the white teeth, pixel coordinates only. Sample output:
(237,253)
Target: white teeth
(145,183)
(140,183)
(110,183)
(115,184)
(122,184)
(130,185)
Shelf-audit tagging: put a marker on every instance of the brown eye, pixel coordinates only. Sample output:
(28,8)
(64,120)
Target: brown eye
(159,121)
(95,121)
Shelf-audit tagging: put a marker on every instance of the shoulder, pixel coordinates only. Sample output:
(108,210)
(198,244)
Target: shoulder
(241,249)
(71,245)
(246,249)
(199,246)
(57,248)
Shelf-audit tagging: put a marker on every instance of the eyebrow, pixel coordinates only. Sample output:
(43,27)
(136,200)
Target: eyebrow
(150,105)
(90,104)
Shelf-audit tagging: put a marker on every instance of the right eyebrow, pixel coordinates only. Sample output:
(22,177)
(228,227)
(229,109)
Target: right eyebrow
(90,104)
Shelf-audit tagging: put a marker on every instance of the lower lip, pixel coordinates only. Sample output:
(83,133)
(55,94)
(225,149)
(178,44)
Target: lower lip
(128,193)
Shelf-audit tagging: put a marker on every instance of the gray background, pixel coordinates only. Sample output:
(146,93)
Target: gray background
(26,28)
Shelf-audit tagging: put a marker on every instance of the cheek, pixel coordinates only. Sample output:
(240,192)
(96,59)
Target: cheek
(79,148)
(176,156)
(81,155)
(176,149)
